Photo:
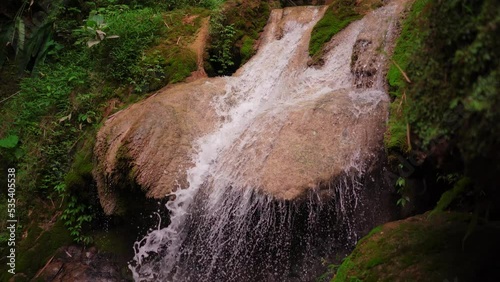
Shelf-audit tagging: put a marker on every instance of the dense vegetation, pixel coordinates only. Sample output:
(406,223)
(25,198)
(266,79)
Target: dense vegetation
(447,113)
(234,33)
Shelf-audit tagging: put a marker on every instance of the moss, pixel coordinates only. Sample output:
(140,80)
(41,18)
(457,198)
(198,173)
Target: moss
(116,240)
(408,43)
(332,22)
(80,172)
(424,249)
(34,251)
(396,137)
(247,50)
(179,64)
(340,14)
(449,196)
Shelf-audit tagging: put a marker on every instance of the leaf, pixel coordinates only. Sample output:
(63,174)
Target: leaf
(400,182)
(21,31)
(9,141)
(97,20)
(93,42)
(100,34)
(90,24)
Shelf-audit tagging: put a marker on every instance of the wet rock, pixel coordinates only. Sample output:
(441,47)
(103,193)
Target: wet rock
(150,143)
(73,263)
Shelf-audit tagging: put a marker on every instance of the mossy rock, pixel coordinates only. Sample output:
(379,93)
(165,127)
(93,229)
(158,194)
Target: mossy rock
(34,251)
(425,248)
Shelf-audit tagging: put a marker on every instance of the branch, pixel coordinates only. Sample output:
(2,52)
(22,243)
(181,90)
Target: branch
(10,97)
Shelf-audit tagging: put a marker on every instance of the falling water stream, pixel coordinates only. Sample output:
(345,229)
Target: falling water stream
(222,227)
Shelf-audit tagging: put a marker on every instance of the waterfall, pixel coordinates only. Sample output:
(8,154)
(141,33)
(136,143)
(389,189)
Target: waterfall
(223,226)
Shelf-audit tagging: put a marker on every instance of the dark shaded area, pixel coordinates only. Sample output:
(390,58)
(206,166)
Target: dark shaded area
(427,247)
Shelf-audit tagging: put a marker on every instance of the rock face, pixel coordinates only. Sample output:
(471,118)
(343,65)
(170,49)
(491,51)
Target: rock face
(280,126)
(151,142)
(314,146)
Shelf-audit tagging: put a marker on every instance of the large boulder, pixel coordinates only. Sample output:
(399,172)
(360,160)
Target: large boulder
(150,143)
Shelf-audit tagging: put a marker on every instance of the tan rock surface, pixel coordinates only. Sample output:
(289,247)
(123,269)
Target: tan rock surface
(156,135)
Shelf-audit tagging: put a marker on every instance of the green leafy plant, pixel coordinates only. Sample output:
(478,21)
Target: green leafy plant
(76,216)
(400,186)
(223,39)
(138,29)
(94,31)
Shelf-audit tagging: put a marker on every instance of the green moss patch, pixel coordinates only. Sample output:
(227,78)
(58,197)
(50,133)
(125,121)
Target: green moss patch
(338,16)
(424,248)
(408,44)
(38,247)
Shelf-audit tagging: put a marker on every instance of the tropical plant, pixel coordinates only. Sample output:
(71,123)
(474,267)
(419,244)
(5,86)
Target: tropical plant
(28,44)
(93,32)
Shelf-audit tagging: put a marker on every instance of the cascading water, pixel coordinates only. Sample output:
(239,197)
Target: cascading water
(223,227)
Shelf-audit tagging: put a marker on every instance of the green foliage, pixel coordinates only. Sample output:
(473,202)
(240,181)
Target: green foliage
(209,4)
(400,187)
(223,39)
(450,104)
(30,41)
(94,31)
(137,29)
(75,217)
(233,33)
(339,15)
(49,120)
(464,76)
(9,142)
(177,4)
(148,72)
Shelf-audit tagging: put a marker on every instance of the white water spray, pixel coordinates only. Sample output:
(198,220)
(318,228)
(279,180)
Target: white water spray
(222,228)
